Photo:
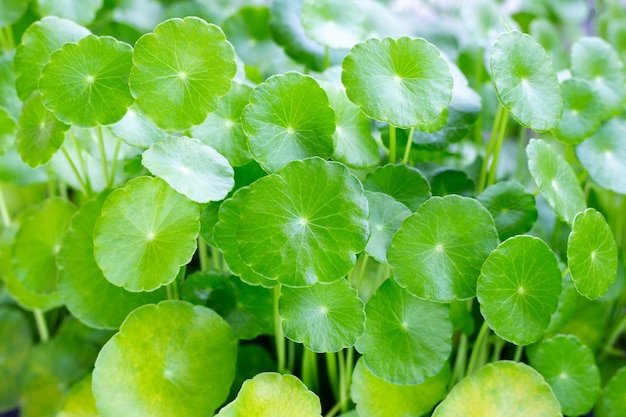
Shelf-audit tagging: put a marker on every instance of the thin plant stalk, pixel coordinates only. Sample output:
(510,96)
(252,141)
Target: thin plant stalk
(392,144)
(331,368)
(518,353)
(279,337)
(4,211)
(407,150)
(478,352)
(116,153)
(498,146)
(103,155)
(83,163)
(42,326)
(203,254)
(82,183)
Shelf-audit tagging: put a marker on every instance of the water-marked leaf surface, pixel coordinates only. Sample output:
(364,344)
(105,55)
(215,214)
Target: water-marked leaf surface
(167,359)
(86,83)
(404,81)
(525,81)
(325,317)
(501,389)
(386,216)
(570,368)
(436,257)
(404,183)
(582,111)
(394,347)
(304,225)
(180,71)
(145,233)
(270,394)
(555,179)
(518,289)
(298,126)
(592,254)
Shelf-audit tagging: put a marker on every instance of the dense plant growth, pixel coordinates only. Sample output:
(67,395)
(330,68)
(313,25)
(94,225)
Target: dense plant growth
(312,207)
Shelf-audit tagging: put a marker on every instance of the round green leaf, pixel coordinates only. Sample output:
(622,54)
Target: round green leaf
(582,111)
(191,168)
(603,155)
(501,389)
(591,254)
(180,71)
(555,179)
(437,257)
(570,368)
(80,11)
(595,61)
(145,233)
(79,401)
(334,24)
(7,131)
(136,129)
(375,397)
(39,41)
(305,225)
(14,351)
(525,82)
(168,359)
(512,208)
(86,83)
(386,216)
(11,11)
(86,292)
(613,400)
(222,129)
(404,81)
(402,182)
(40,133)
(518,289)
(297,126)
(325,317)
(407,340)
(37,244)
(273,395)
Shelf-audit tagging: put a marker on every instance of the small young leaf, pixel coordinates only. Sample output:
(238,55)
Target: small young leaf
(402,182)
(136,129)
(386,216)
(582,111)
(591,254)
(80,11)
(613,400)
(518,289)
(337,25)
(297,126)
(325,317)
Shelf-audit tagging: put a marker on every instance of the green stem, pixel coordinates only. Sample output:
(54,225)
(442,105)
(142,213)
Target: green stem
(331,370)
(83,163)
(42,326)
(8,35)
(336,408)
(518,353)
(116,153)
(103,155)
(407,150)
(490,147)
(392,144)
(215,258)
(203,254)
(498,147)
(4,211)
(342,378)
(172,288)
(361,276)
(83,186)
(291,354)
(480,346)
(497,349)
(565,272)
(617,332)
(279,337)
(348,374)
(460,362)
(309,369)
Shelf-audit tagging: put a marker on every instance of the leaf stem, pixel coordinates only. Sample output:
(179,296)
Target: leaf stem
(518,353)
(103,155)
(490,147)
(42,326)
(4,211)
(279,337)
(342,378)
(215,258)
(498,146)
(480,346)
(203,254)
(83,186)
(83,163)
(334,410)
(331,370)
(361,276)
(309,369)
(392,144)
(407,150)
(116,153)
(326,57)
(8,35)
(348,377)
(460,362)
(617,332)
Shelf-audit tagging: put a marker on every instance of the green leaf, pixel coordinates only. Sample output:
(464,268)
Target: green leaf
(40,134)
(518,289)
(386,216)
(375,397)
(145,233)
(222,129)
(325,317)
(8,96)
(273,395)
(305,225)
(191,168)
(525,81)
(86,292)
(80,11)
(226,239)
(337,25)
(86,83)
(180,71)
(404,81)
(591,254)
(595,61)
(11,11)
(39,41)
(168,359)
(297,126)
(603,155)
(79,401)
(136,129)
(501,389)
(570,368)
(436,257)
(582,112)
(613,400)
(14,350)
(555,179)
(512,208)
(394,347)
(402,182)
(7,131)
(38,243)
(568,303)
